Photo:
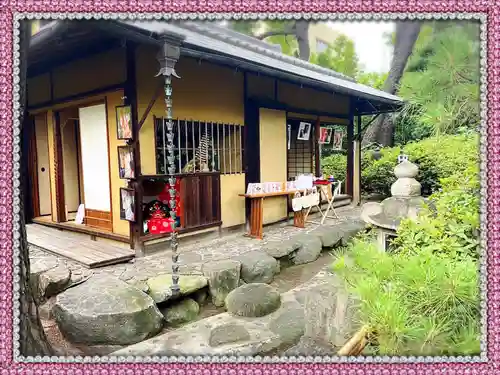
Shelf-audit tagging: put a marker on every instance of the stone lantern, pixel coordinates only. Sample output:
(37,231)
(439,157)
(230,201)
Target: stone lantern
(405,202)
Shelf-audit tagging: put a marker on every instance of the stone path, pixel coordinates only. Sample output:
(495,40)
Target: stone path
(192,255)
(287,257)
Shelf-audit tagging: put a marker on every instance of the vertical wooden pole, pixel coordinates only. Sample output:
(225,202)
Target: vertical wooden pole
(350,153)
(317,156)
(130,93)
(59,170)
(357,165)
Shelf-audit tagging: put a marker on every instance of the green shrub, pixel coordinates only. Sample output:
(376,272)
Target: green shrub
(436,157)
(452,228)
(416,305)
(423,297)
(335,165)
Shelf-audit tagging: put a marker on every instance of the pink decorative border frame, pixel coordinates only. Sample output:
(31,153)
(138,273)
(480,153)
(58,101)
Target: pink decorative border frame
(7,9)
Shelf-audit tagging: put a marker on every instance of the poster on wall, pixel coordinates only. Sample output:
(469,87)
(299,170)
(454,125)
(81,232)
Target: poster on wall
(289,133)
(126,166)
(304,131)
(338,137)
(325,135)
(124,122)
(127,204)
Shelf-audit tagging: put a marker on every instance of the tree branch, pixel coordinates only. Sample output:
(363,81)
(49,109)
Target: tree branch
(288,31)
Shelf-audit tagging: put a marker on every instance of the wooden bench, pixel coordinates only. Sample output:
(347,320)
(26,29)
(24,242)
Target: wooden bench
(257,211)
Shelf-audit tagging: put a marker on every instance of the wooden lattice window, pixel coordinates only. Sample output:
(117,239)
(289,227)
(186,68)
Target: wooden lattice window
(300,153)
(200,146)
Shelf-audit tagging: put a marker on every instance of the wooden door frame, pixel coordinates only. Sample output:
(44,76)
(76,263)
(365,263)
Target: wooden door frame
(31,186)
(33,164)
(103,101)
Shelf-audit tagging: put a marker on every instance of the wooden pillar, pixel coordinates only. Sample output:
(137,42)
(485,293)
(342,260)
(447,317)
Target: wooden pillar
(317,154)
(356,194)
(350,144)
(59,169)
(130,92)
(251,155)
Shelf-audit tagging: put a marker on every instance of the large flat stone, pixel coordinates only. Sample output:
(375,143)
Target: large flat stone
(106,311)
(253,300)
(160,286)
(227,334)
(281,248)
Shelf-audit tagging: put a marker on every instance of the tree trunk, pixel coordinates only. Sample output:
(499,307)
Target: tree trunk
(33,339)
(382,129)
(302,34)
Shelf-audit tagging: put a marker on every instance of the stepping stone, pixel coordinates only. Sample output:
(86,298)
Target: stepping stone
(184,311)
(309,250)
(106,311)
(258,267)
(160,286)
(253,300)
(223,277)
(281,248)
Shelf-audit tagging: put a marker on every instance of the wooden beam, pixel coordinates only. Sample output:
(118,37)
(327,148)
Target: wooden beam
(350,153)
(273,104)
(317,156)
(356,194)
(130,91)
(152,102)
(59,170)
(82,95)
(251,141)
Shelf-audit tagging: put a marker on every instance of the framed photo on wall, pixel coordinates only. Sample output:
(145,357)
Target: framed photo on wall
(127,204)
(338,138)
(325,135)
(304,131)
(126,162)
(124,122)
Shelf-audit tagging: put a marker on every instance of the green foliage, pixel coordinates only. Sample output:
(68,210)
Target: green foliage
(420,304)
(335,165)
(441,82)
(451,229)
(375,80)
(422,298)
(340,56)
(437,157)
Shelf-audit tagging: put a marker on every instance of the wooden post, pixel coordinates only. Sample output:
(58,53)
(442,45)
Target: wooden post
(350,153)
(59,170)
(131,99)
(356,194)
(317,154)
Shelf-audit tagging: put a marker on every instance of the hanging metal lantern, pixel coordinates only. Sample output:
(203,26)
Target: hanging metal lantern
(167,57)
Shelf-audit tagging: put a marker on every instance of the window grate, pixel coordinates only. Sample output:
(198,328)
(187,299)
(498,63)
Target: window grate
(301,153)
(200,146)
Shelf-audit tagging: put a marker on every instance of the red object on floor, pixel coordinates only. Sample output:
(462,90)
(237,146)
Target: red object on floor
(160,226)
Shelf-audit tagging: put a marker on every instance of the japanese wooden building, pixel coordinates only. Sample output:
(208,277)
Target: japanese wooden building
(232,102)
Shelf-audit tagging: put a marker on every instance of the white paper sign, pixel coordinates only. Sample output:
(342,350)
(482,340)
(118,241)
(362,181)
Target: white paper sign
(304,182)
